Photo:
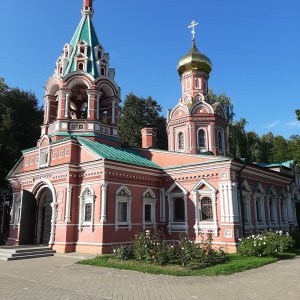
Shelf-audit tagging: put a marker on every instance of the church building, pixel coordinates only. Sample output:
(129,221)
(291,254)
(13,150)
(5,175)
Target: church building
(80,190)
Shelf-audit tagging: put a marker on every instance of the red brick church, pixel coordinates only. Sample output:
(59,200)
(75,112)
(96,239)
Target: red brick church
(79,190)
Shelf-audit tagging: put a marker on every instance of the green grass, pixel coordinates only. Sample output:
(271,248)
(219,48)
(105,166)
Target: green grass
(236,263)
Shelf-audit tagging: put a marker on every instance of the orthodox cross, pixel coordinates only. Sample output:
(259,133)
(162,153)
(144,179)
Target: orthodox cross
(193,24)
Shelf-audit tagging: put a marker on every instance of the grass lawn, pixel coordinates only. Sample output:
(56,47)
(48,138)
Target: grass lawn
(236,263)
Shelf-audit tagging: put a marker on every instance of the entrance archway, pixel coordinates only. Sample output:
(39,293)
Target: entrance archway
(43,217)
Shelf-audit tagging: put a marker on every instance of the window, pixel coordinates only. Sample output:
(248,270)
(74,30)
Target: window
(179,210)
(180,141)
(206,209)
(86,209)
(44,158)
(80,66)
(88,212)
(122,212)
(282,208)
(220,144)
(201,138)
(147,214)
(258,210)
(123,208)
(271,211)
(149,202)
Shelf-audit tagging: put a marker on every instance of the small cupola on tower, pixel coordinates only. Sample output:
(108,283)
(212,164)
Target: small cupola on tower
(195,125)
(194,69)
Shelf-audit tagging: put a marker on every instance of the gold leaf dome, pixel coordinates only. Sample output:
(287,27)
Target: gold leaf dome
(194,60)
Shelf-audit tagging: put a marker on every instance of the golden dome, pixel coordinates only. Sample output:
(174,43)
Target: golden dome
(194,60)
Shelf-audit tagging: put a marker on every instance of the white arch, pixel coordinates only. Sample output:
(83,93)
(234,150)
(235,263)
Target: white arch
(128,193)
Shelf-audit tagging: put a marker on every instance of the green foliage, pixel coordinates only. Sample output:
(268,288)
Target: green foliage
(123,252)
(20,120)
(297,111)
(156,250)
(265,244)
(135,114)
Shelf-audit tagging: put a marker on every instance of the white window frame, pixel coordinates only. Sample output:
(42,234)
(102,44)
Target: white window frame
(123,194)
(87,197)
(199,193)
(174,192)
(149,199)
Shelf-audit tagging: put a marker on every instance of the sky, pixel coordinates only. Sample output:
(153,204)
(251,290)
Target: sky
(254,47)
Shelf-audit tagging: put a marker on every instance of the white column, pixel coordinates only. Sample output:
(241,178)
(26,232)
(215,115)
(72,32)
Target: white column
(197,217)
(215,216)
(190,137)
(185,214)
(68,203)
(113,113)
(67,105)
(89,106)
(221,187)
(104,202)
(97,105)
(225,191)
(170,214)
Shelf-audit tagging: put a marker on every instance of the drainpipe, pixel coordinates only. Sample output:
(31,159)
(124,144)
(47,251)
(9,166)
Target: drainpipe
(244,160)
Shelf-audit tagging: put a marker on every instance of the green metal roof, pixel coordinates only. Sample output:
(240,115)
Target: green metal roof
(125,155)
(84,32)
(286,164)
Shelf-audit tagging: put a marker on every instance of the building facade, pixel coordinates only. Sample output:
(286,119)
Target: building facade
(79,190)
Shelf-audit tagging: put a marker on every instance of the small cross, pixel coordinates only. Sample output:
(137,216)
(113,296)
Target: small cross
(193,24)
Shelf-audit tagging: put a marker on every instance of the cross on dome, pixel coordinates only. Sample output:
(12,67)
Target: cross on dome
(193,24)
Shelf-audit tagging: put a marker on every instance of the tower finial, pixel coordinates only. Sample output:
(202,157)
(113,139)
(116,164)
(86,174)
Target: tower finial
(88,3)
(87,8)
(193,24)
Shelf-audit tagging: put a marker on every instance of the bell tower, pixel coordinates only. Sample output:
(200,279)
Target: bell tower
(196,125)
(82,97)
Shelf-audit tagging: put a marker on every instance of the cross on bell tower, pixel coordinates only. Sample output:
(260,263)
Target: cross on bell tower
(193,24)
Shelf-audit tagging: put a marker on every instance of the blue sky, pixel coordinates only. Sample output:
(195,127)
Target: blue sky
(254,46)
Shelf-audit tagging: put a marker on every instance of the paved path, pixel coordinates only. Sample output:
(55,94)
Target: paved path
(59,278)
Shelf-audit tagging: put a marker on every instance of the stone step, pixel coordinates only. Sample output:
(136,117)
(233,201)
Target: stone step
(21,249)
(24,252)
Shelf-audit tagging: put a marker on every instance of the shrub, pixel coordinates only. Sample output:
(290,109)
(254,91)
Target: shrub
(265,244)
(123,252)
(155,249)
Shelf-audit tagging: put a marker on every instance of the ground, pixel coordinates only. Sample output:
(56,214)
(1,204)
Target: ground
(59,278)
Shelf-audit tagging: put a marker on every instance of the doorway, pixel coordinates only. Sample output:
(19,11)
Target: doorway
(43,217)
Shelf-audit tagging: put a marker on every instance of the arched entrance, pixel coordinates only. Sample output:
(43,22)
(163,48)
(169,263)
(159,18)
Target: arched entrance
(43,217)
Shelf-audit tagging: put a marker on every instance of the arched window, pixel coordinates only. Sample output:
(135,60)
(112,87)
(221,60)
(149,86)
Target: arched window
(282,211)
(197,83)
(180,141)
(206,209)
(80,66)
(149,201)
(123,208)
(201,138)
(87,204)
(179,210)
(102,71)
(220,144)
(257,209)
(271,212)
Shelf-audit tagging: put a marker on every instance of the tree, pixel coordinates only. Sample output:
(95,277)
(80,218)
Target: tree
(136,113)
(297,111)
(294,148)
(20,120)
